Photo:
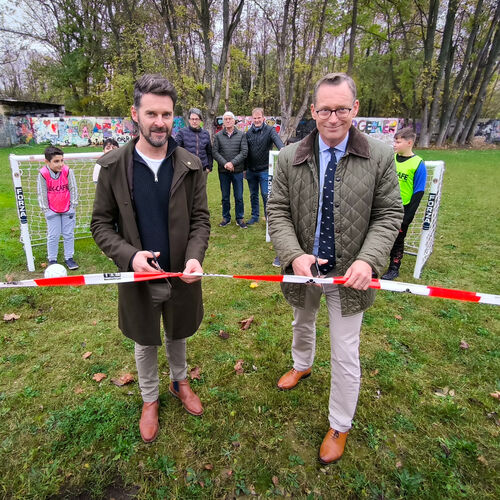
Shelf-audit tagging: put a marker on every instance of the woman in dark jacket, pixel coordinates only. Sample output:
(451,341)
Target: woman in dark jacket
(196,140)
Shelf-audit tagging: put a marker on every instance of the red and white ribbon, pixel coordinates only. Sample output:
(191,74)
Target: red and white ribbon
(129,277)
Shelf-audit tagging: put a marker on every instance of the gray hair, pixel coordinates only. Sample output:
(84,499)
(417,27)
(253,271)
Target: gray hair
(153,84)
(335,79)
(195,111)
(228,113)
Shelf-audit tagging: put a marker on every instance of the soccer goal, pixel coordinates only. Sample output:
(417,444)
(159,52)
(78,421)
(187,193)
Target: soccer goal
(32,221)
(419,239)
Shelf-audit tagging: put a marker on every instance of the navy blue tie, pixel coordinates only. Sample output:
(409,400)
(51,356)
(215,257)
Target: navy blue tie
(326,247)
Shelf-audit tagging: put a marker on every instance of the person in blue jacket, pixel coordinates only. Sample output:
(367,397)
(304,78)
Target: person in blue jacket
(196,140)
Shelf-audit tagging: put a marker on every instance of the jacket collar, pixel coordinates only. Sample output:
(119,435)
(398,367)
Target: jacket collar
(357,145)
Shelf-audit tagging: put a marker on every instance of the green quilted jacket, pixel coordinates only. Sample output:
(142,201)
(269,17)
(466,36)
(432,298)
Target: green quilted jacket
(368,211)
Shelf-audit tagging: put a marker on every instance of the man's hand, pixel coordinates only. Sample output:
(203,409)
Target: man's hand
(359,275)
(192,266)
(229,166)
(302,265)
(140,262)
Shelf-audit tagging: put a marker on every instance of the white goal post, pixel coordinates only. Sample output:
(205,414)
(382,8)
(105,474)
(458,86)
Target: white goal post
(419,239)
(25,171)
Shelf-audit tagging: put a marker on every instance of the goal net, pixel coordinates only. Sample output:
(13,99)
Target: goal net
(25,171)
(419,239)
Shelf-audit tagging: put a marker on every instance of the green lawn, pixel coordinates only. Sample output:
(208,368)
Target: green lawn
(426,425)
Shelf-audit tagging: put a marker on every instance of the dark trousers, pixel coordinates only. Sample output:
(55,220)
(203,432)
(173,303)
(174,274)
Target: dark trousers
(256,179)
(399,247)
(226,179)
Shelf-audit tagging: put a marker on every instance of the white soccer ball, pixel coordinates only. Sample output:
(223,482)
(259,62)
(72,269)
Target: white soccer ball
(55,271)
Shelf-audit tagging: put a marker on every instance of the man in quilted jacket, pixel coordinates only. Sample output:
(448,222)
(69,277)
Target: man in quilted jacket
(335,209)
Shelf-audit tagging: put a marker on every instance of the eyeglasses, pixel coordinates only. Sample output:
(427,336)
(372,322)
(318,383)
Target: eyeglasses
(341,113)
(195,119)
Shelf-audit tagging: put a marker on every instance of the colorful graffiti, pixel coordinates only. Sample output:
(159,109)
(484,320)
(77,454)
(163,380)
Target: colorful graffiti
(81,131)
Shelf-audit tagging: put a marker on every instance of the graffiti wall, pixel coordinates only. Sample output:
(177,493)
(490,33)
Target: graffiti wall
(81,131)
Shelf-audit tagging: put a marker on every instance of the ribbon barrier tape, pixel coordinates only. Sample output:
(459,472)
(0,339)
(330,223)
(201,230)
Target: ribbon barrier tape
(130,277)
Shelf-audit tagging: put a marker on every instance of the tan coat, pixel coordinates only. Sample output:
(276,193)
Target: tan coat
(115,231)
(367,211)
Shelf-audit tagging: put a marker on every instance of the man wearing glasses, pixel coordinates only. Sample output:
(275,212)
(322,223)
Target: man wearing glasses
(335,209)
(196,140)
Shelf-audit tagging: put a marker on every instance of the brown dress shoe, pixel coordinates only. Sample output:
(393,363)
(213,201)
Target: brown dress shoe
(290,379)
(332,447)
(148,424)
(191,402)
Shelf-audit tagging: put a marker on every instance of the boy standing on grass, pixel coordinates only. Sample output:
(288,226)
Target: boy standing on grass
(58,198)
(412,176)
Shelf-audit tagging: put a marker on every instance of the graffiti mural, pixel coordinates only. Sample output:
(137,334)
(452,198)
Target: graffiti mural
(489,129)
(81,131)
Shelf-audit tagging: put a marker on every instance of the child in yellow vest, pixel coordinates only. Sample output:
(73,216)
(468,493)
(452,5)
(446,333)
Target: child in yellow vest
(412,176)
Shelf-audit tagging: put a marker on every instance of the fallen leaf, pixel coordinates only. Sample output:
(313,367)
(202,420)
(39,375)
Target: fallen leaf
(252,490)
(208,466)
(9,277)
(125,379)
(374,373)
(495,394)
(78,390)
(254,284)
(245,323)
(201,483)
(451,393)
(399,464)
(442,393)
(10,317)
(398,317)
(464,345)
(87,355)
(99,376)
(238,367)
(236,444)
(223,335)
(254,368)
(275,480)
(482,460)
(43,265)
(445,449)
(94,323)
(195,373)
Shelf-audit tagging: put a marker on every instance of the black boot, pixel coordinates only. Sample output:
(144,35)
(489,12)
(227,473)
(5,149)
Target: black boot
(393,271)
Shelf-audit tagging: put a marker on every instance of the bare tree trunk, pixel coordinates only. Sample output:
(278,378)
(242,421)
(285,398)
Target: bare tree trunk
(352,39)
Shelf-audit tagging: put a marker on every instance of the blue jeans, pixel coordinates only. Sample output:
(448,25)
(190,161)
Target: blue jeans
(226,179)
(256,179)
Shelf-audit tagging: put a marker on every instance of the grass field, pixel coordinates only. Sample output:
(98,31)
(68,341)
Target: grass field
(426,425)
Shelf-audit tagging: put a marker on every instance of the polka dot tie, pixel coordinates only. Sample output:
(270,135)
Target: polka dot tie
(326,248)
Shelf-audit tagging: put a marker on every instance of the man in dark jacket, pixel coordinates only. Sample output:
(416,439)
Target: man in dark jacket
(196,140)
(150,213)
(335,209)
(230,150)
(260,138)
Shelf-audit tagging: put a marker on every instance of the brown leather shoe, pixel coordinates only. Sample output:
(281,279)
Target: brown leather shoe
(332,446)
(290,379)
(148,424)
(191,402)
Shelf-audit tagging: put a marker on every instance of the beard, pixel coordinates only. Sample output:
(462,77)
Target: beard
(147,134)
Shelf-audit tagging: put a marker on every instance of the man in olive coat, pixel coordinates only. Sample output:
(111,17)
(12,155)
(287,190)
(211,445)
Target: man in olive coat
(150,213)
(335,209)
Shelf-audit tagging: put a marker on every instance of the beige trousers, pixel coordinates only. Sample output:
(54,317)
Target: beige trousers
(146,360)
(344,346)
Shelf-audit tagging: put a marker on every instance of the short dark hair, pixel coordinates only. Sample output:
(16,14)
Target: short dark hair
(153,84)
(406,133)
(335,79)
(52,151)
(110,141)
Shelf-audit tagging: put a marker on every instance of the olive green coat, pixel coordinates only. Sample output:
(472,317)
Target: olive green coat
(367,210)
(115,231)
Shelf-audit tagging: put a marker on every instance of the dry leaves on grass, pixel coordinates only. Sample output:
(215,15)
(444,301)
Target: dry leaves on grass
(10,317)
(195,373)
(126,378)
(223,334)
(238,367)
(245,323)
(464,345)
(445,391)
(495,395)
(87,355)
(398,317)
(254,284)
(99,376)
